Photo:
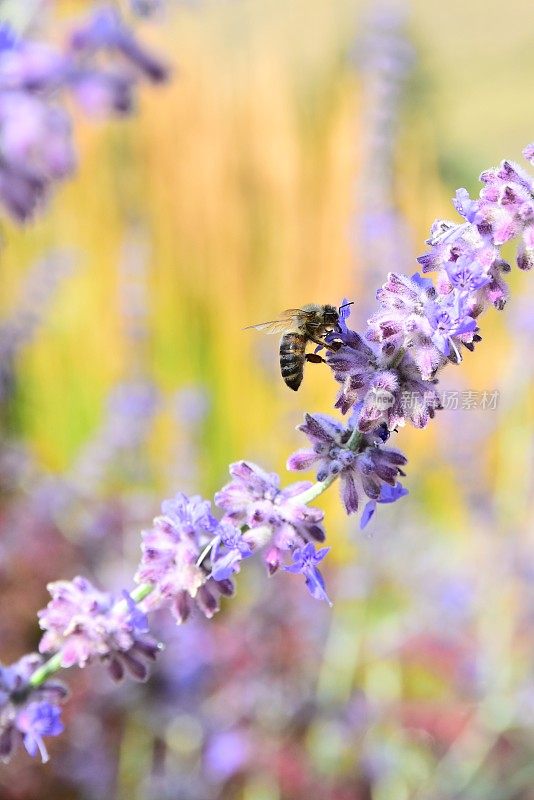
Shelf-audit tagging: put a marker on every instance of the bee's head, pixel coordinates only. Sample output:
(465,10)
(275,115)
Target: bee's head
(330,315)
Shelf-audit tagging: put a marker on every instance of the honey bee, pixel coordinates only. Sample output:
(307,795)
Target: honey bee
(298,326)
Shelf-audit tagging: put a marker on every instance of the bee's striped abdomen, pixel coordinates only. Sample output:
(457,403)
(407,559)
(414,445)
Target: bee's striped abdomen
(292,348)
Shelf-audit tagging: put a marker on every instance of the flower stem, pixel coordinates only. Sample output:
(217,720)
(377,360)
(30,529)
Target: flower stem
(47,669)
(141,591)
(355,439)
(315,490)
(397,358)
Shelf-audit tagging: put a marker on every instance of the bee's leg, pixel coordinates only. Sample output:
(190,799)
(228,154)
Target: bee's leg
(314,358)
(323,344)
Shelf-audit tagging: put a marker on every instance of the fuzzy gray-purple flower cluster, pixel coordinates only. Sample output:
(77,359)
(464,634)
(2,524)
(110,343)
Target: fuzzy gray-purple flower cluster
(275,519)
(100,65)
(171,559)
(28,714)
(364,468)
(83,624)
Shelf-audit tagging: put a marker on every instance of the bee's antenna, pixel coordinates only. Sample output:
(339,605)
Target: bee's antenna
(346,304)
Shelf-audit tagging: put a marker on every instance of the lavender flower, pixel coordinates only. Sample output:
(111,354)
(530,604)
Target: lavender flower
(35,721)
(104,30)
(36,148)
(414,317)
(35,151)
(463,258)
(28,714)
(274,517)
(386,385)
(83,623)
(305,563)
(362,469)
(528,153)
(171,551)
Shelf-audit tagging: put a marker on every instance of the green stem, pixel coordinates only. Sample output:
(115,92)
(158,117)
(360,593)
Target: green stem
(355,439)
(395,361)
(46,670)
(314,491)
(141,591)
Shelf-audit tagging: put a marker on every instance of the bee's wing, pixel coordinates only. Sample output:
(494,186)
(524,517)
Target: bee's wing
(277,325)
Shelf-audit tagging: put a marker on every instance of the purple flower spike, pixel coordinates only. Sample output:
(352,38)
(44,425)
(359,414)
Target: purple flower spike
(362,471)
(305,563)
(84,624)
(272,516)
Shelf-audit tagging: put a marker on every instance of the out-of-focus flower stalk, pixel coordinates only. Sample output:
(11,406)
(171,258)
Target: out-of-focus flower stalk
(39,288)
(385,57)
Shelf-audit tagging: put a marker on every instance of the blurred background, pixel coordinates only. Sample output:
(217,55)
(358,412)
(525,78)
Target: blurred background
(300,152)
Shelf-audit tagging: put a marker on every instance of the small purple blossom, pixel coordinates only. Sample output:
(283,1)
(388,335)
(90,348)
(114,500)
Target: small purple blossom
(466,207)
(84,624)
(28,714)
(388,494)
(466,259)
(362,470)
(305,563)
(36,720)
(449,323)
(230,549)
(274,517)
(170,560)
